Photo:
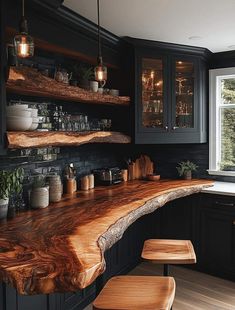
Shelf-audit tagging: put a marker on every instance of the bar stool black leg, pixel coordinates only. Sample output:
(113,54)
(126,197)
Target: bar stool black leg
(166,270)
(166,273)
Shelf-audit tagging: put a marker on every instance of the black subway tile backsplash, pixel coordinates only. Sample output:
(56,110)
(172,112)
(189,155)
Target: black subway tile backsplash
(93,156)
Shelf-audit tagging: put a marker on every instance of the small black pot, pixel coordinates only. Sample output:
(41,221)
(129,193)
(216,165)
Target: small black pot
(74,83)
(85,84)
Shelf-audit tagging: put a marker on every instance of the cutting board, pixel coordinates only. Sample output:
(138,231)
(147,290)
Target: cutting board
(143,167)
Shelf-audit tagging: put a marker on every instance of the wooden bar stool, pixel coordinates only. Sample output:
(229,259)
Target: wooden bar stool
(136,292)
(164,251)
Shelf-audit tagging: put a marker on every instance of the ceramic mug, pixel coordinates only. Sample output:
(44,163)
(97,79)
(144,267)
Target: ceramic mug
(94,85)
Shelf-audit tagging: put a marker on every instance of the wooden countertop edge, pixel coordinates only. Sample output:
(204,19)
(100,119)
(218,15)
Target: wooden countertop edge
(149,207)
(116,231)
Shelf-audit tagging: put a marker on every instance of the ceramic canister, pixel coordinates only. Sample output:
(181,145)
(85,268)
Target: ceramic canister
(3,208)
(39,197)
(55,188)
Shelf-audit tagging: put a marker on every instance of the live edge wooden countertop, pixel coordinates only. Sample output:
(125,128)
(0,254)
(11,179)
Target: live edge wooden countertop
(61,248)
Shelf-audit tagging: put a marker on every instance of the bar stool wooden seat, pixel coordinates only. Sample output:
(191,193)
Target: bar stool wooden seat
(136,292)
(165,251)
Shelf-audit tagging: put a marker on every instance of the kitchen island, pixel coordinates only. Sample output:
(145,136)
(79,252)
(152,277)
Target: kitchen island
(61,248)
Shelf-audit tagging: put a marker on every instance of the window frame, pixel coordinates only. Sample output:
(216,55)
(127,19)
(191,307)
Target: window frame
(215,75)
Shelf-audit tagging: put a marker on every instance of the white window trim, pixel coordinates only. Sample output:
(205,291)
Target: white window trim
(215,75)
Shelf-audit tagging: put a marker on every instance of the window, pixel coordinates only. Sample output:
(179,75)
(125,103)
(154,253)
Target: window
(222,122)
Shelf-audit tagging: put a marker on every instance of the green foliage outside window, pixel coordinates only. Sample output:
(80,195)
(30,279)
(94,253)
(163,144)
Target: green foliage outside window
(228,126)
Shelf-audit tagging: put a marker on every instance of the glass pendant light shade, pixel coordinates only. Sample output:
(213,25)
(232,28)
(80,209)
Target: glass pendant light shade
(23,43)
(101,73)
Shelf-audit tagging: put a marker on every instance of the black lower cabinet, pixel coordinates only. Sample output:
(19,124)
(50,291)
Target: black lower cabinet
(216,236)
(207,220)
(77,300)
(12,301)
(177,220)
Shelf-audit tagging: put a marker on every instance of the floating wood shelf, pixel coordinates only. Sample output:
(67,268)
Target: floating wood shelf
(28,139)
(30,82)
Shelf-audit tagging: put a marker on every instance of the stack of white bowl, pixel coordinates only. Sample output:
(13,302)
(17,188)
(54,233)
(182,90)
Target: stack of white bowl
(21,118)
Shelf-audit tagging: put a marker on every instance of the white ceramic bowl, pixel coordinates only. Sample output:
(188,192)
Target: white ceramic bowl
(34,123)
(34,126)
(19,123)
(20,106)
(18,112)
(34,112)
(35,119)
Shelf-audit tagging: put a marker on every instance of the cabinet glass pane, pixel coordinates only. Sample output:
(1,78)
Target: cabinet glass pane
(184,91)
(152,93)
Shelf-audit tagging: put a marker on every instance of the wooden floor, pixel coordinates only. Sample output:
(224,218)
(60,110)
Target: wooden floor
(194,290)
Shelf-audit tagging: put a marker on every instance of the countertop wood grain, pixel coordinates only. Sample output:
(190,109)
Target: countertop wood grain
(61,248)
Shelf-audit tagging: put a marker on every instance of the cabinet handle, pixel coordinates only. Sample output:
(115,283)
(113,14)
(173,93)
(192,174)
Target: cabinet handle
(224,204)
(166,128)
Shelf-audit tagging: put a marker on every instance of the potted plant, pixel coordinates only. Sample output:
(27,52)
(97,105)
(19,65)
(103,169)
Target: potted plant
(185,169)
(39,195)
(10,186)
(15,199)
(83,74)
(5,188)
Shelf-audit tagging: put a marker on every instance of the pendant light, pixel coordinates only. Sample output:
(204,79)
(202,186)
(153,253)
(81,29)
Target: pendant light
(100,69)
(23,43)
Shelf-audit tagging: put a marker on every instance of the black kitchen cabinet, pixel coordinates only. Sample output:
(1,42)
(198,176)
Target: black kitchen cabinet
(216,236)
(10,300)
(170,92)
(77,300)
(177,219)
(207,220)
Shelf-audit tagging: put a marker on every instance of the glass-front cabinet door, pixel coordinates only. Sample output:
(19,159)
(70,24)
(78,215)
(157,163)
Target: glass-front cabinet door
(170,96)
(183,108)
(152,97)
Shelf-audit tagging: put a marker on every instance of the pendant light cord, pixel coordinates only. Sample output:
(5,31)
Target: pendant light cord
(22,8)
(99,39)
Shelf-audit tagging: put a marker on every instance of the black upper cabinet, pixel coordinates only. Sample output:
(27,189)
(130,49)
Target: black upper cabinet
(170,93)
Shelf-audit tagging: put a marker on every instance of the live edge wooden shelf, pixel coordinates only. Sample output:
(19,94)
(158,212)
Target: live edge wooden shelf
(30,82)
(28,139)
(61,248)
